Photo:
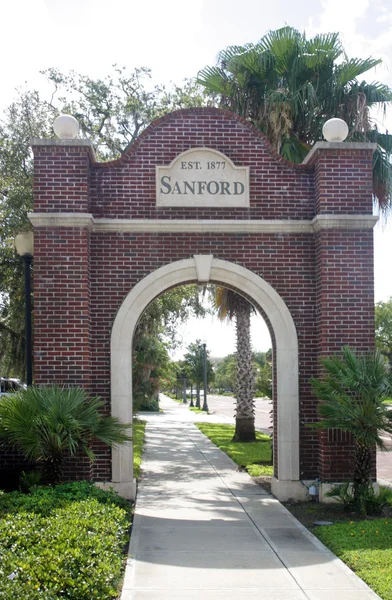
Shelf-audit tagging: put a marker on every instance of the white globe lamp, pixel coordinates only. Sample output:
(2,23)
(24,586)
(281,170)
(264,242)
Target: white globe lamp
(335,130)
(24,243)
(66,127)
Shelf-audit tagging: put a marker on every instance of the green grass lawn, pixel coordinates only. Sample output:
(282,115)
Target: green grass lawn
(366,547)
(254,456)
(138,428)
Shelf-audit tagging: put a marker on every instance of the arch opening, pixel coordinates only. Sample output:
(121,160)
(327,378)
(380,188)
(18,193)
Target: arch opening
(286,484)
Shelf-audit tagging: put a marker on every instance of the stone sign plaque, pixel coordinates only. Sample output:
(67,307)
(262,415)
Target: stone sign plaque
(202,177)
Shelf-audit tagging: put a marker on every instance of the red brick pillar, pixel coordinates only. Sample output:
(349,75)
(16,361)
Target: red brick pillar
(61,220)
(344,270)
(62,261)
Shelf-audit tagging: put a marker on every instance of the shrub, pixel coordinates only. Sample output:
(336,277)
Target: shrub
(44,423)
(366,501)
(151,405)
(62,542)
(30,480)
(46,499)
(352,393)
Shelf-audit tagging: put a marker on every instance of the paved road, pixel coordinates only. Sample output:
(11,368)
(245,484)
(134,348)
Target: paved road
(225,405)
(384,461)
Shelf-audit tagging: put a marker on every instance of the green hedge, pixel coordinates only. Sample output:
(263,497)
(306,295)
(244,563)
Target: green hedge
(62,542)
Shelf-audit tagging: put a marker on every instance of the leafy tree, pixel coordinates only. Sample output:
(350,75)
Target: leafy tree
(263,363)
(112,112)
(352,394)
(231,305)
(288,86)
(47,423)
(383,323)
(194,367)
(150,359)
(24,119)
(156,331)
(168,376)
(225,373)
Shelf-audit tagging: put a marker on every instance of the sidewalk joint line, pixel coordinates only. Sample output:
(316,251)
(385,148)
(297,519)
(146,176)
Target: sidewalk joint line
(240,503)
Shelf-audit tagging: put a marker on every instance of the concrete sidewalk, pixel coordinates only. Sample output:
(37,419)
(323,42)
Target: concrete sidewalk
(204,530)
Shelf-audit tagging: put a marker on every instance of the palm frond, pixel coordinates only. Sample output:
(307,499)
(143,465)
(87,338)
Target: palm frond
(214,79)
(384,140)
(293,149)
(382,178)
(375,92)
(45,422)
(352,394)
(353,68)
(288,86)
(322,48)
(226,55)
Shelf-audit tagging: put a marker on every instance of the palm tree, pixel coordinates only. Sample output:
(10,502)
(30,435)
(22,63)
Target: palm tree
(288,86)
(194,367)
(352,394)
(46,423)
(231,305)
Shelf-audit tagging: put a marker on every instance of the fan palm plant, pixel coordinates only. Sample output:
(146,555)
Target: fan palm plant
(352,393)
(47,423)
(288,86)
(231,305)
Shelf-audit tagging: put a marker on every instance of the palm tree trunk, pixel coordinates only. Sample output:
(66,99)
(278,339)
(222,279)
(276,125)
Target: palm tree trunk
(53,469)
(362,470)
(245,414)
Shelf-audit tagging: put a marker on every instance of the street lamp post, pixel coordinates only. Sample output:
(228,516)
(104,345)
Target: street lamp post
(184,391)
(191,403)
(183,377)
(205,405)
(24,247)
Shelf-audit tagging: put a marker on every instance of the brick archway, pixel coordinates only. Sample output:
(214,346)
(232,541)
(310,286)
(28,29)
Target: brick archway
(303,232)
(286,353)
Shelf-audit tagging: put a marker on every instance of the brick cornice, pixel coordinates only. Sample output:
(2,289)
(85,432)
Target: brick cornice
(103,225)
(82,220)
(322,147)
(63,143)
(343,222)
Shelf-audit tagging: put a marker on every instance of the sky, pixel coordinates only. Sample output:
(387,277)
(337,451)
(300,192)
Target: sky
(176,38)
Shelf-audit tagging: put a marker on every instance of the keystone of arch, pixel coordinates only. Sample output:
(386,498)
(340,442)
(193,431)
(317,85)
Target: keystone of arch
(286,356)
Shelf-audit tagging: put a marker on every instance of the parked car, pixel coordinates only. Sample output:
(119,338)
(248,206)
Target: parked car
(8,385)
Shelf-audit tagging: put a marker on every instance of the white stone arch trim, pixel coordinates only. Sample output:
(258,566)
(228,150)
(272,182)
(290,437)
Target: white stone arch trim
(263,295)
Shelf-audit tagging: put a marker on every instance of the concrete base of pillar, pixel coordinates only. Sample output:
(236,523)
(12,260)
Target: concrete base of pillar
(126,489)
(289,490)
